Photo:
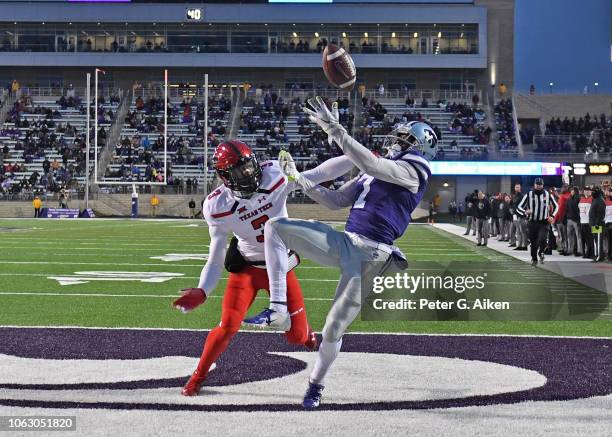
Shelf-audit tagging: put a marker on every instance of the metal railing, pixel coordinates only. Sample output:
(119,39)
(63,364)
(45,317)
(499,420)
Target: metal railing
(179,92)
(432,95)
(66,90)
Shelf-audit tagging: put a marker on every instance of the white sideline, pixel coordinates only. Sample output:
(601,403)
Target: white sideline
(594,275)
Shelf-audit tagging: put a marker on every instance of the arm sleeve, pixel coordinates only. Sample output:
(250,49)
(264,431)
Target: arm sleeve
(211,273)
(327,171)
(334,199)
(406,173)
(554,204)
(521,205)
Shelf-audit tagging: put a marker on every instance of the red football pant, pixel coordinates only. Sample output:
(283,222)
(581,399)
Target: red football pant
(239,296)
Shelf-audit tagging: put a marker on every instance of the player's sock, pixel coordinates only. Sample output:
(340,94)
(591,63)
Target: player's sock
(276,265)
(328,351)
(279,307)
(216,342)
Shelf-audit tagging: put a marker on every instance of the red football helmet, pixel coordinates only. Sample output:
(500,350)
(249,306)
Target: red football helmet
(237,167)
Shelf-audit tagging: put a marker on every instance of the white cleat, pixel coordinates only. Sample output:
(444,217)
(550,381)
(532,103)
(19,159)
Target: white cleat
(270,319)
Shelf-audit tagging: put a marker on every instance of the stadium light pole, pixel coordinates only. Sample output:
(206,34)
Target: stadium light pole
(596,85)
(551,85)
(87,136)
(165,127)
(205,135)
(96,121)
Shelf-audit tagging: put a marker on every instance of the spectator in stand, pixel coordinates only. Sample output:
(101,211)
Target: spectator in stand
(15,86)
(37,204)
(475,100)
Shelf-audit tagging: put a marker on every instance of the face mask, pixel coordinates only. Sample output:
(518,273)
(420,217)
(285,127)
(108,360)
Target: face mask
(394,150)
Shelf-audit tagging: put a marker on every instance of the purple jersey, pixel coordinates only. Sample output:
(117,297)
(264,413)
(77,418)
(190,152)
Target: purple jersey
(381,211)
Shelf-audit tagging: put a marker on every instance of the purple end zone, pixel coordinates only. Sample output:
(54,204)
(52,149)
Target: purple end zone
(575,368)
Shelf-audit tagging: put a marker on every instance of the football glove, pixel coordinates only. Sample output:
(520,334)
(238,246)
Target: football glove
(287,165)
(327,120)
(190,299)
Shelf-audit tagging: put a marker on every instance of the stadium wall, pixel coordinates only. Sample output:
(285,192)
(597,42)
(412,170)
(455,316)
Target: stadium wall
(170,206)
(460,186)
(500,42)
(493,62)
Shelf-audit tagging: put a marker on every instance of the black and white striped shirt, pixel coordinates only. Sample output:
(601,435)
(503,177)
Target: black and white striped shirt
(540,205)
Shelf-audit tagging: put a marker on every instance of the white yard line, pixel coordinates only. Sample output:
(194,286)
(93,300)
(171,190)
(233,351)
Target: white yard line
(225,277)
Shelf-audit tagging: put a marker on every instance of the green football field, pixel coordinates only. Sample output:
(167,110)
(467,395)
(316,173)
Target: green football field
(94,259)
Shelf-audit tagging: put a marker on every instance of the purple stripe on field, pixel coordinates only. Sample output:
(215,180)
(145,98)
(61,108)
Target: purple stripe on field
(574,367)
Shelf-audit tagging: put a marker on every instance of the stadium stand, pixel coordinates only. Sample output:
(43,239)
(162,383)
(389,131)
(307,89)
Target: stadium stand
(271,123)
(587,134)
(138,155)
(43,143)
(504,122)
(461,128)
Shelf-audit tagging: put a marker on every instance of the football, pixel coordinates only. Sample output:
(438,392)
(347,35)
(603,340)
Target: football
(339,67)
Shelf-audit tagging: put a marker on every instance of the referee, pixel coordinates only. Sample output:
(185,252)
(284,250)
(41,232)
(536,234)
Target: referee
(536,206)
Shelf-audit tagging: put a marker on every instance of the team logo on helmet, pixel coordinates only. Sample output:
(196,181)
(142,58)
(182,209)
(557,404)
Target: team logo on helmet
(414,135)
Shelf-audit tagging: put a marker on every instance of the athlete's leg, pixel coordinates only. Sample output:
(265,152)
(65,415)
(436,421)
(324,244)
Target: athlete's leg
(357,265)
(314,240)
(239,295)
(300,329)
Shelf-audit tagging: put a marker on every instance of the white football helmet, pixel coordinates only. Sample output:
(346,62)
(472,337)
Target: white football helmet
(414,135)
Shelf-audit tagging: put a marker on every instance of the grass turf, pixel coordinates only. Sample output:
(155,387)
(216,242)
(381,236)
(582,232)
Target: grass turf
(34,250)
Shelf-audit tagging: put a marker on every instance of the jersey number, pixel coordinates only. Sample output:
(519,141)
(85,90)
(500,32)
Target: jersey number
(361,200)
(259,223)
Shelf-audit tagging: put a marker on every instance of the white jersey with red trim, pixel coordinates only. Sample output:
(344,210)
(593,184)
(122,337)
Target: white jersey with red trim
(608,211)
(246,218)
(584,206)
